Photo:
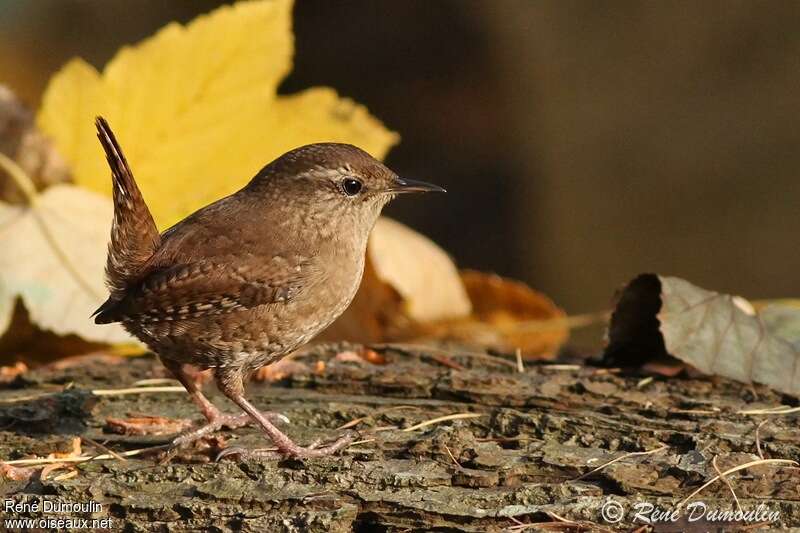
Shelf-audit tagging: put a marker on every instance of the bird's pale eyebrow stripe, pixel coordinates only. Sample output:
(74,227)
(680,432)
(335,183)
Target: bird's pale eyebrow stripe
(325,173)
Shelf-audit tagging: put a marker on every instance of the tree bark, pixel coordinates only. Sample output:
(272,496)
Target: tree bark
(519,461)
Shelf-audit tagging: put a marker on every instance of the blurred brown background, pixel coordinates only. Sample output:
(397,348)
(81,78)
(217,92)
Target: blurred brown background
(582,142)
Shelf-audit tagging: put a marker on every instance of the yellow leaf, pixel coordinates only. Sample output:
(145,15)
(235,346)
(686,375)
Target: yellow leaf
(196,109)
(53,258)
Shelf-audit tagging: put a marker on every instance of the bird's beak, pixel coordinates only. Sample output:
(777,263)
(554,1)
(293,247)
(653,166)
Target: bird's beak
(403,185)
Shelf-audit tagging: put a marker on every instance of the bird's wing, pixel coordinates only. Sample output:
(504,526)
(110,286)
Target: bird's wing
(134,236)
(208,287)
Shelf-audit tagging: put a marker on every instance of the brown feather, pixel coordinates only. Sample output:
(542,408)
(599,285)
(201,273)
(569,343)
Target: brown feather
(206,288)
(134,236)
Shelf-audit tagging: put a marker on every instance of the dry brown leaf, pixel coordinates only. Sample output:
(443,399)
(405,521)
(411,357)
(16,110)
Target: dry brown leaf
(147,425)
(22,142)
(407,280)
(9,372)
(716,333)
(412,289)
(280,370)
(76,450)
(24,473)
(16,473)
(507,315)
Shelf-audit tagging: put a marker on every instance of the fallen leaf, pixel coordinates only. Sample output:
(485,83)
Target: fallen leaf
(419,270)
(347,356)
(25,473)
(16,473)
(371,356)
(22,142)
(9,372)
(75,450)
(507,315)
(718,334)
(196,110)
(53,258)
(280,370)
(412,289)
(408,280)
(147,425)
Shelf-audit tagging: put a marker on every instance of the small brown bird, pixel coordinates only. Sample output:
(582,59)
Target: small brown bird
(246,280)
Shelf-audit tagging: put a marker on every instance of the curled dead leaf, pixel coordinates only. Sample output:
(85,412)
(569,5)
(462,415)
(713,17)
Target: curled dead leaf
(507,315)
(718,334)
(412,289)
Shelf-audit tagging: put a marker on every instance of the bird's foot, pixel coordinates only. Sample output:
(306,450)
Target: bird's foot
(218,422)
(287,448)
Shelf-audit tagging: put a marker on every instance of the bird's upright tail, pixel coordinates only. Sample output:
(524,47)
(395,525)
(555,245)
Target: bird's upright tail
(134,236)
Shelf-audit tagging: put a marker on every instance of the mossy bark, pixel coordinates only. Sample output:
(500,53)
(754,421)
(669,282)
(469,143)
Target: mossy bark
(538,431)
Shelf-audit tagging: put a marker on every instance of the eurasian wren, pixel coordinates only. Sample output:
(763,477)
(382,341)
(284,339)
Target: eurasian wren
(248,279)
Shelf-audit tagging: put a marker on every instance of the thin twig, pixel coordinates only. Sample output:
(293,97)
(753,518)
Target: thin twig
(712,411)
(363,441)
(447,449)
(82,458)
(727,482)
(736,469)
(620,458)
(155,381)
(135,390)
(30,397)
(457,416)
(104,448)
(520,366)
(560,367)
(357,421)
(779,410)
(553,515)
(446,361)
(65,476)
(758,438)
(96,392)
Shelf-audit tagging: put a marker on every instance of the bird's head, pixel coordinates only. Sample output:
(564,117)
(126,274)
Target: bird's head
(333,184)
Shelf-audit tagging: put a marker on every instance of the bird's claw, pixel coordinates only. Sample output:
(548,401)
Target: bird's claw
(223,421)
(315,449)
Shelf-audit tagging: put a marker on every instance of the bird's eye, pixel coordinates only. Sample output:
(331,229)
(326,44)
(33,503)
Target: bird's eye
(351,186)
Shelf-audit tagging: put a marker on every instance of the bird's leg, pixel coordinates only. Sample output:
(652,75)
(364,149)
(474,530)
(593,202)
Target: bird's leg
(216,419)
(231,382)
